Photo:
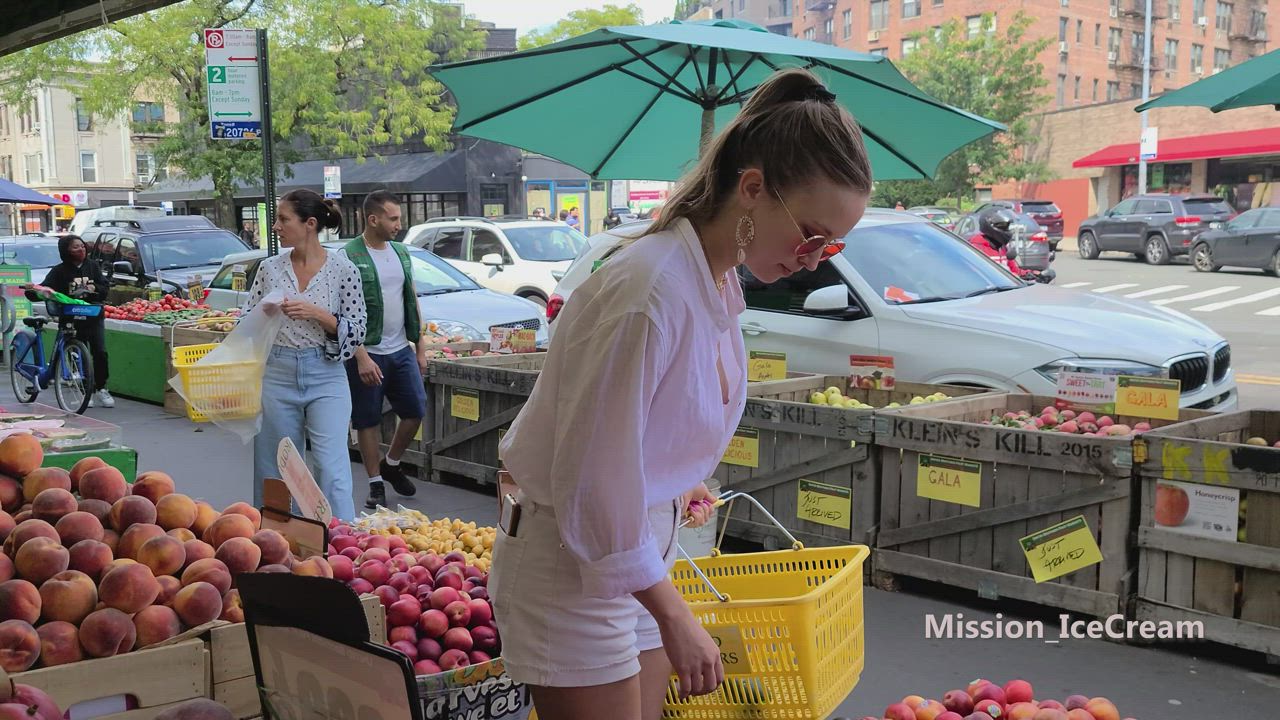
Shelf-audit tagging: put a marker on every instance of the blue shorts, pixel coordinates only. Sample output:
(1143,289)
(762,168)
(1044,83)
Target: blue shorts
(402,387)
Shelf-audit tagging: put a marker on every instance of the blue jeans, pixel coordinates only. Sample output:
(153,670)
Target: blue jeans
(305,394)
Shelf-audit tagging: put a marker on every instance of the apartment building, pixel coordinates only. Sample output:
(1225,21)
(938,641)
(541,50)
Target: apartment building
(774,15)
(53,146)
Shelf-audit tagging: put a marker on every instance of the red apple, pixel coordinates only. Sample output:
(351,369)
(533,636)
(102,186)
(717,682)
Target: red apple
(1172,505)
(1016,691)
(958,701)
(433,623)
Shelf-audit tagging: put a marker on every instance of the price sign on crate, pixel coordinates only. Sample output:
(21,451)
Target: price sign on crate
(1148,397)
(744,448)
(766,366)
(239,279)
(464,403)
(949,479)
(1093,389)
(1061,549)
(195,289)
(824,504)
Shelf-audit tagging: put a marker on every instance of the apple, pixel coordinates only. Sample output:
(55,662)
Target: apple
(1172,505)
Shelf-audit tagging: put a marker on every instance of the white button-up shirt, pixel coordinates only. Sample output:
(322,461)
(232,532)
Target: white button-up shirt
(628,411)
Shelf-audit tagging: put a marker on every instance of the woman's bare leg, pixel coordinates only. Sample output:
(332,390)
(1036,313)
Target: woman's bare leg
(616,701)
(655,676)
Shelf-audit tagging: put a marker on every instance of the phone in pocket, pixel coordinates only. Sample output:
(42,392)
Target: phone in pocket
(509,515)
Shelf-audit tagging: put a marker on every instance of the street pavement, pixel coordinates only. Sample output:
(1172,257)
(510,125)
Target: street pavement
(1178,683)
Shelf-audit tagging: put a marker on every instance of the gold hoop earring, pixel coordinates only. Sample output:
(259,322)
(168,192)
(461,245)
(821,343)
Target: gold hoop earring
(744,234)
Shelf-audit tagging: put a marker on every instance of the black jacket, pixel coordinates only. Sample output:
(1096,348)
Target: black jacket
(61,277)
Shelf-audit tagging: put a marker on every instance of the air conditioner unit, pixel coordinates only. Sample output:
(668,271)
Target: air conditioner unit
(1114,11)
(1177,15)
(873,36)
(1202,21)
(1198,70)
(1062,47)
(146,179)
(1111,58)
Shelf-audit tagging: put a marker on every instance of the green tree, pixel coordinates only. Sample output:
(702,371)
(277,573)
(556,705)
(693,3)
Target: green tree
(996,75)
(349,77)
(583,21)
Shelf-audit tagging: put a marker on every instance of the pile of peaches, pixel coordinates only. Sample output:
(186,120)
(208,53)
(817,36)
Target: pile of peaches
(985,700)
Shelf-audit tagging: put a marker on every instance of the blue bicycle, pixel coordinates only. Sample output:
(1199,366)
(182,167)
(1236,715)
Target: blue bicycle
(70,367)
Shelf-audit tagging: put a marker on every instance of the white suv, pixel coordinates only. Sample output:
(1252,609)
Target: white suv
(522,257)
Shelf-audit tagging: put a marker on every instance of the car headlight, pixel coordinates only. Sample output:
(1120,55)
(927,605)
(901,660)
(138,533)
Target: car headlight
(1095,366)
(453,327)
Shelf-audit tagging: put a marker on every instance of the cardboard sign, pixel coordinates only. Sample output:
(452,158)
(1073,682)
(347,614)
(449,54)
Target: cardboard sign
(464,403)
(1077,388)
(824,504)
(475,691)
(307,538)
(949,479)
(239,279)
(1061,549)
(733,652)
(744,448)
(1148,397)
(302,485)
(766,366)
(871,372)
(1201,510)
(512,340)
(195,289)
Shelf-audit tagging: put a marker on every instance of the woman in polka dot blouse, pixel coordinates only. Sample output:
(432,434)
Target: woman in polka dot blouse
(305,395)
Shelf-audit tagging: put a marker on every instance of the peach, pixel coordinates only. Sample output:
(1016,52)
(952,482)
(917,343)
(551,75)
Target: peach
(132,510)
(990,692)
(153,485)
(896,711)
(154,624)
(163,554)
(275,549)
(314,566)
(211,571)
(1049,714)
(83,466)
(19,600)
(7,524)
(22,515)
(118,562)
(26,530)
(240,555)
(1053,704)
(1102,709)
(40,559)
(129,588)
(197,550)
(925,709)
(182,535)
(988,707)
(20,455)
(7,570)
(1020,711)
(68,596)
(198,603)
(232,607)
(197,709)
(131,540)
(105,484)
(1079,714)
(44,479)
(169,586)
(19,645)
(59,644)
(76,526)
(1076,701)
(226,527)
(175,511)
(111,539)
(205,516)
(107,632)
(51,504)
(10,494)
(247,510)
(90,557)
(97,508)
(275,569)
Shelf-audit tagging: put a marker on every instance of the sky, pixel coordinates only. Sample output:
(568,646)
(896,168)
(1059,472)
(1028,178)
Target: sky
(526,15)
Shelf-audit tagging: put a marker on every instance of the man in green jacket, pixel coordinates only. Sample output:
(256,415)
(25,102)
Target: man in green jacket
(394,356)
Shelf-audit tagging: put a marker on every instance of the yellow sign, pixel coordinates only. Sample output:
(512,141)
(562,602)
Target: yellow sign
(1148,397)
(464,403)
(1061,549)
(824,504)
(733,652)
(239,279)
(195,289)
(949,479)
(744,448)
(766,366)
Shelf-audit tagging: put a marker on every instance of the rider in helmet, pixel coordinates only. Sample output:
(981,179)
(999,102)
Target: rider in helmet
(995,232)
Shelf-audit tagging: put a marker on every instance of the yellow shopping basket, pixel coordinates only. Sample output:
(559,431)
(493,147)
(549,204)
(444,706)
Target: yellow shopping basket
(222,391)
(789,626)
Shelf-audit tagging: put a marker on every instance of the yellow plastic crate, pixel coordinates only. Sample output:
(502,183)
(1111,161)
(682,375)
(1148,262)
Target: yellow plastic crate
(233,388)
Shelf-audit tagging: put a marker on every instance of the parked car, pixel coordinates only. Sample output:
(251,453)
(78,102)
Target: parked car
(904,287)
(940,216)
(1251,239)
(1156,227)
(168,251)
(37,250)
(599,248)
(86,219)
(453,301)
(1045,212)
(525,258)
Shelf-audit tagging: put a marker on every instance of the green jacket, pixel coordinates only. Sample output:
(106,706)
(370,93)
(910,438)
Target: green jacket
(358,253)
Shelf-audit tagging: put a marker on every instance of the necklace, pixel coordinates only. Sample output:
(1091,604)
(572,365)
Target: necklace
(719,281)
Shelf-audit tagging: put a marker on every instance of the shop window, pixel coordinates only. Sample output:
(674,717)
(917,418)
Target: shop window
(493,200)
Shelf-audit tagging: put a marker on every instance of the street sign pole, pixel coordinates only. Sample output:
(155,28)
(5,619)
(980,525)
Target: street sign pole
(268,140)
(1146,95)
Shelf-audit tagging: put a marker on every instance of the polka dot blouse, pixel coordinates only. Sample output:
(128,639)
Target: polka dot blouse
(335,288)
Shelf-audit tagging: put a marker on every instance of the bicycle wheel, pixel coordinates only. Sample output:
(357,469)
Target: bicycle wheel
(73,377)
(24,388)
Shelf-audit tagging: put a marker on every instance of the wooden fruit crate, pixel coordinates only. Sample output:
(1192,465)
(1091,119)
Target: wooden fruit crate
(821,450)
(1030,480)
(1231,587)
(499,385)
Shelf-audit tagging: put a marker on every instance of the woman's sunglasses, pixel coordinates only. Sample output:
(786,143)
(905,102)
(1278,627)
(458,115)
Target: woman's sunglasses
(813,243)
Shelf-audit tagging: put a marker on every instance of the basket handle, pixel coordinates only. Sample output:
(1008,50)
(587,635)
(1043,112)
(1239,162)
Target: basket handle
(728,498)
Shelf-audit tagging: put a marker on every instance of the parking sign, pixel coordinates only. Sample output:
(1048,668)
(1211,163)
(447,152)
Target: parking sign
(231,75)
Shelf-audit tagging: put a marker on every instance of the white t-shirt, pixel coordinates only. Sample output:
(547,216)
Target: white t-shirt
(391,278)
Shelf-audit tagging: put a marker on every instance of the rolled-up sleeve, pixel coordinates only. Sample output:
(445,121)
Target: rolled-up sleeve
(597,471)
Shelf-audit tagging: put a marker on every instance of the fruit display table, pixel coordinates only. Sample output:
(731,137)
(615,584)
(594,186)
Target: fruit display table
(963,483)
(1209,527)
(73,437)
(137,359)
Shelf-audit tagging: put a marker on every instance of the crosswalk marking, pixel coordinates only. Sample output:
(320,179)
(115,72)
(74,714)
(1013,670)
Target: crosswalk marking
(1112,288)
(1155,291)
(1269,311)
(1255,297)
(1076,284)
(1197,295)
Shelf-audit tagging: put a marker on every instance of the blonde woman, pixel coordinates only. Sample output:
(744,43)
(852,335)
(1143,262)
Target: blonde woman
(638,398)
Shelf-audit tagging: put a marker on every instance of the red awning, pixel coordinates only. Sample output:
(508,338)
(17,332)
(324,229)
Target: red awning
(1195,147)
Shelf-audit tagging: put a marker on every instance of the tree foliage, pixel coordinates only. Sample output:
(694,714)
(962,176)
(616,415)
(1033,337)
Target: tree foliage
(995,75)
(580,22)
(348,78)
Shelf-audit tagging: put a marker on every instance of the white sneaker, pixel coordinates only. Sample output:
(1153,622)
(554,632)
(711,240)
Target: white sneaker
(103,398)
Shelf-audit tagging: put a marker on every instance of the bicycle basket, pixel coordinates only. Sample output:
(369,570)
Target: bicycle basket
(63,310)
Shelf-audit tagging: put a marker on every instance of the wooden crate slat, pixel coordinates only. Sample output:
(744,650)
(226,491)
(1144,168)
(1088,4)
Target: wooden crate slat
(1114,527)
(1009,492)
(1221,551)
(1237,633)
(1087,577)
(914,509)
(1260,589)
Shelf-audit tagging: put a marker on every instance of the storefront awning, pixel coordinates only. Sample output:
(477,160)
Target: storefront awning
(1194,147)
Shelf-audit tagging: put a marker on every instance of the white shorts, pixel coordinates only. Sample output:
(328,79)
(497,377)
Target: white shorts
(552,634)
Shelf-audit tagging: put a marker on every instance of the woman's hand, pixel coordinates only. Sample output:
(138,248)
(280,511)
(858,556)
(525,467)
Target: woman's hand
(694,656)
(303,310)
(699,503)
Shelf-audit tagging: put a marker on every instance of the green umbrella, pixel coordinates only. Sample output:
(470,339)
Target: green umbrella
(635,102)
(1254,82)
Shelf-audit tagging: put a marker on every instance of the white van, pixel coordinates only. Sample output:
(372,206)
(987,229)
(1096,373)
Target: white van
(84,219)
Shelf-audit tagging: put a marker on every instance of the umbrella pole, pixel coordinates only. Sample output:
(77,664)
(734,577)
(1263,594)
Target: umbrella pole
(708,118)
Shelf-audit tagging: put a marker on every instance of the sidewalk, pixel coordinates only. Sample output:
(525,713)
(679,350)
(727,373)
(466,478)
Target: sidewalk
(1145,683)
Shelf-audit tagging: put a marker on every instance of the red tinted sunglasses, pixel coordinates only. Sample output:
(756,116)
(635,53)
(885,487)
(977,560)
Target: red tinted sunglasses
(813,243)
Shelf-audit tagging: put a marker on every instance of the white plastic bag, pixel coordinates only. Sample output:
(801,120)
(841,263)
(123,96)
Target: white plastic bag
(227,397)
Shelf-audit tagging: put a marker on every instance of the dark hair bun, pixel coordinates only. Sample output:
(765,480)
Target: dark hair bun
(334,220)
